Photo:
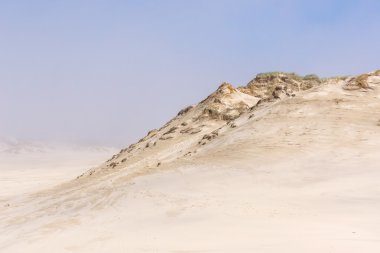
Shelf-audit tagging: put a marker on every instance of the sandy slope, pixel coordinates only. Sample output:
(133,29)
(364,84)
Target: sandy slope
(298,174)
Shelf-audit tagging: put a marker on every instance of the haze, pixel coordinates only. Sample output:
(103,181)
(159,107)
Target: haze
(106,72)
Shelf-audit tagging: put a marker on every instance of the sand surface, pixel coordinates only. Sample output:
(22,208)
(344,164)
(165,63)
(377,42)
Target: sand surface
(27,171)
(298,175)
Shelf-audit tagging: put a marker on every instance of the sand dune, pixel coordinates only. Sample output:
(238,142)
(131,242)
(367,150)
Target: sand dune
(245,170)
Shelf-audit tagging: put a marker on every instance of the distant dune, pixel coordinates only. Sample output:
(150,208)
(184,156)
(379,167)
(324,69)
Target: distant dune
(284,164)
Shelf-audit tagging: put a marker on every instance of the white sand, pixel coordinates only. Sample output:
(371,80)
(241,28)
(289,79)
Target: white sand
(25,172)
(301,175)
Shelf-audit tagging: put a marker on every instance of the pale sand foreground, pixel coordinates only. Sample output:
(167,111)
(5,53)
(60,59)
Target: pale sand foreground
(301,175)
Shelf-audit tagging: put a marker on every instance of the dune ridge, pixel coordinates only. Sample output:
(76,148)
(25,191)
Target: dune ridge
(284,164)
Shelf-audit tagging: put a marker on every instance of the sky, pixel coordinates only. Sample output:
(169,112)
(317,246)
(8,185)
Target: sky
(105,72)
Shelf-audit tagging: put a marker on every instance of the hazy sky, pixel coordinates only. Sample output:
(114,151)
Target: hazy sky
(106,71)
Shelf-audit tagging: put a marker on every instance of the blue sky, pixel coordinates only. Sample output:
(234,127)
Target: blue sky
(106,72)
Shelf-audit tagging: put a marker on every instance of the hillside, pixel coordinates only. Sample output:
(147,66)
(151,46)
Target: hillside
(283,164)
